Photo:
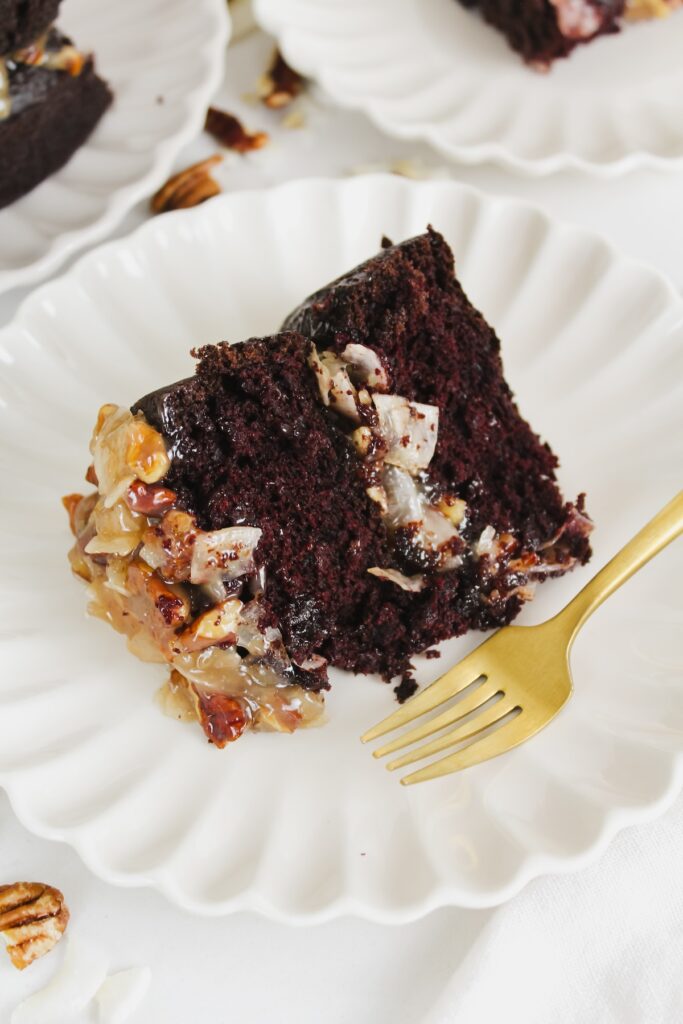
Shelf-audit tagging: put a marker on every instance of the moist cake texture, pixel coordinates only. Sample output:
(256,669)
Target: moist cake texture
(50,98)
(348,492)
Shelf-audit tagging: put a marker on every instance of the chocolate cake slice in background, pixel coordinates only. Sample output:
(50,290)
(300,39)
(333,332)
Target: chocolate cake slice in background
(50,98)
(543,30)
(24,21)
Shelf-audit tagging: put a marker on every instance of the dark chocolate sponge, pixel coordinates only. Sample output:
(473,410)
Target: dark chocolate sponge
(531,27)
(53,113)
(407,305)
(24,21)
(251,443)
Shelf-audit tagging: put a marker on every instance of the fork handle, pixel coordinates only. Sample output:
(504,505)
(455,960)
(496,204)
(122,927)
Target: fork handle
(660,531)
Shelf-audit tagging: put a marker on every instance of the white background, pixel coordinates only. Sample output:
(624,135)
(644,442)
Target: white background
(245,969)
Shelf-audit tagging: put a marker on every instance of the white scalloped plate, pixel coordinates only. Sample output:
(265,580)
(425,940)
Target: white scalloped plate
(309,826)
(432,70)
(163,60)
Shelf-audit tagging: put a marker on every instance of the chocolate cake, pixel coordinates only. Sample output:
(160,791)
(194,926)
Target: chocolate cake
(50,97)
(543,30)
(350,492)
(23,22)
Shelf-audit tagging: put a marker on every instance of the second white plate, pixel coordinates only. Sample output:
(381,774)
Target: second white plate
(309,826)
(163,60)
(434,71)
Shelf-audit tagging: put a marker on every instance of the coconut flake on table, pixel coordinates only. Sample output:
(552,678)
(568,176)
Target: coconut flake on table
(224,554)
(411,583)
(70,989)
(405,167)
(120,995)
(409,430)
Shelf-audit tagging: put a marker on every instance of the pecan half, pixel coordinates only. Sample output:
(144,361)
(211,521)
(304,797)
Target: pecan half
(231,133)
(280,84)
(33,918)
(188,188)
(222,717)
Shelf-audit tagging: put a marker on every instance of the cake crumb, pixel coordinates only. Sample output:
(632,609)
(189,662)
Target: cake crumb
(405,689)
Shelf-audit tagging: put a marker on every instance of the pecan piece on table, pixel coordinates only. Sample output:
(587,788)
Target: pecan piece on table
(33,918)
(280,84)
(188,188)
(231,133)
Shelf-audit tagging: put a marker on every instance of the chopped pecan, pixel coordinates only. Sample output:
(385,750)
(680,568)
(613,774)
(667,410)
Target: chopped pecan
(167,546)
(218,624)
(149,500)
(223,718)
(33,918)
(280,84)
(162,607)
(231,133)
(188,188)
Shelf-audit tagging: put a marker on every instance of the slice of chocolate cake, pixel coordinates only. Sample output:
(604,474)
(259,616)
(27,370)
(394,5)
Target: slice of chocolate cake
(543,30)
(23,22)
(348,492)
(50,98)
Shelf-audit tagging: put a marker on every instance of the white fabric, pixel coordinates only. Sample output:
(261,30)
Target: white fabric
(604,946)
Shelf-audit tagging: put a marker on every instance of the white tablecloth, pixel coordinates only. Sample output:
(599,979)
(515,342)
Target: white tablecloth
(605,945)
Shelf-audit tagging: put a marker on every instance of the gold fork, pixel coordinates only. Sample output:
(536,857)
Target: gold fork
(518,679)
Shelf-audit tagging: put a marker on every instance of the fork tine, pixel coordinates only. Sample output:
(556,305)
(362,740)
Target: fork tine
(508,736)
(448,685)
(464,706)
(475,725)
